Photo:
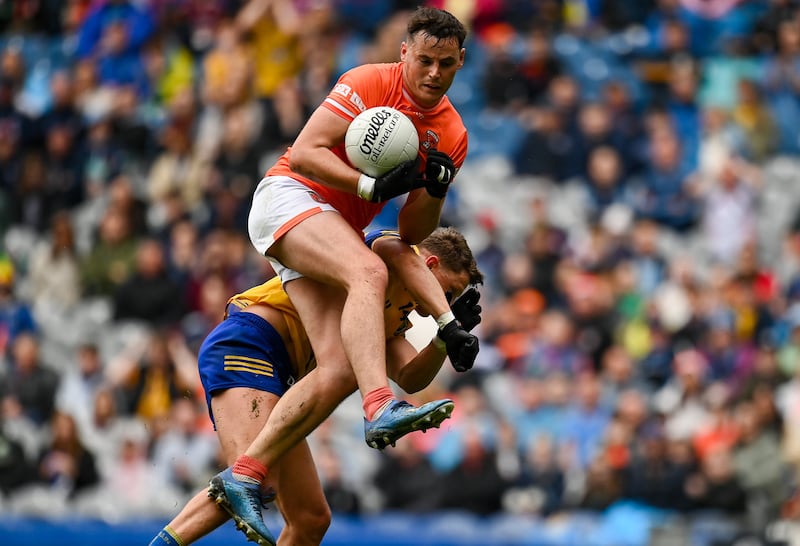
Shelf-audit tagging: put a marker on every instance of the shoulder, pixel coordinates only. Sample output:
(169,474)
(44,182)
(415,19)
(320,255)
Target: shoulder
(373,236)
(373,82)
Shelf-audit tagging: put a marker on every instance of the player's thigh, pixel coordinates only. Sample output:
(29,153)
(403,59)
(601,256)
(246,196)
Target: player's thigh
(300,492)
(328,249)
(239,414)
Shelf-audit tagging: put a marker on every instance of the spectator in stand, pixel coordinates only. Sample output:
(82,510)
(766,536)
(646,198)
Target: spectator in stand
(133,131)
(15,469)
(406,479)
(752,114)
(475,484)
(716,487)
(29,382)
(652,476)
(152,373)
(178,169)
(663,194)
(781,82)
(122,196)
(619,375)
(556,349)
(539,489)
(62,109)
(66,463)
(111,260)
(113,34)
(680,400)
(604,184)
(107,430)
(233,174)
(130,477)
(104,160)
(185,454)
(759,466)
(62,184)
(595,129)
(16,316)
(149,294)
(340,496)
(80,385)
(545,145)
(54,270)
(728,357)
(585,421)
(602,486)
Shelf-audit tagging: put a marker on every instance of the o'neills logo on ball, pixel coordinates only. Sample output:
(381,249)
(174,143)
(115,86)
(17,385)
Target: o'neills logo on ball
(371,145)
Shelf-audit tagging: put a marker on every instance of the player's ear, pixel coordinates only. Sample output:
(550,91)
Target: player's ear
(403,50)
(461,57)
(432,261)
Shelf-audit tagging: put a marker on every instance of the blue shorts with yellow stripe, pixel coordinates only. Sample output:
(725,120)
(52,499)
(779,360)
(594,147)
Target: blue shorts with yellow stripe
(244,350)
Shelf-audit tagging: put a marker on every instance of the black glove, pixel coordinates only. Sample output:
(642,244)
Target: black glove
(439,172)
(402,179)
(467,310)
(462,347)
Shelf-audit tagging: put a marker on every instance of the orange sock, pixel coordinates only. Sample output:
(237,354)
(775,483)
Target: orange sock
(376,400)
(248,469)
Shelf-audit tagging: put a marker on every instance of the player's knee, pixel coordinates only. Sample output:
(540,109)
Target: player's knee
(339,382)
(370,272)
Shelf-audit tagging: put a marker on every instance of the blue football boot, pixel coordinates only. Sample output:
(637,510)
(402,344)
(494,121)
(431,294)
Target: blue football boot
(243,501)
(399,418)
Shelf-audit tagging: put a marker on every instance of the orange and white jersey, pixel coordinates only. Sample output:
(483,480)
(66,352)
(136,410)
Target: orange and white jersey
(371,85)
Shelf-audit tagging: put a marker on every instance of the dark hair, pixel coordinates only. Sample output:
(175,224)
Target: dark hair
(437,23)
(453,252)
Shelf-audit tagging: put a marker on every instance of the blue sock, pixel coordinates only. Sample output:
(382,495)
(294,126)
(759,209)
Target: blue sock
(166,537)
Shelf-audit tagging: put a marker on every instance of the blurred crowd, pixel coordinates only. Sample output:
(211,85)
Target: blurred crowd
(630,194)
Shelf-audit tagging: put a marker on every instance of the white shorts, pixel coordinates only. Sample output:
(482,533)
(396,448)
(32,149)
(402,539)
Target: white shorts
(279,204)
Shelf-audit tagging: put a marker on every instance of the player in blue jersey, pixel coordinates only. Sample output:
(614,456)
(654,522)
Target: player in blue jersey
(261,348)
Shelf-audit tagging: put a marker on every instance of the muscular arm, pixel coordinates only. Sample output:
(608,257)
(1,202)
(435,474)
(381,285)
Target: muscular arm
(412,371)
(311,154)
(419,216)
(410,269)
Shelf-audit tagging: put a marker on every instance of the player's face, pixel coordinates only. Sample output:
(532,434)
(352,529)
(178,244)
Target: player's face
(430,66)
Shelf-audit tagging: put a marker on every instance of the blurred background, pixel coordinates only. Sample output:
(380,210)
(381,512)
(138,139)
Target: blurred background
(631,193)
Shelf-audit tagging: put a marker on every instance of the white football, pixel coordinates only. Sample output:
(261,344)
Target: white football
(379,139)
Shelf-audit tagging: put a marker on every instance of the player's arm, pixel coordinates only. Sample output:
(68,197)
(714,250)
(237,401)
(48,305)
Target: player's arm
(410,268)
(419,216)
(412,271)
(412,371)
(311,154)
(421,212)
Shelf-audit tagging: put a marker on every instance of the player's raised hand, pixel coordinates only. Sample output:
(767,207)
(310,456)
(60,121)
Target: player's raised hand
(467,309)
(439,173)
(462,347)
(402,179)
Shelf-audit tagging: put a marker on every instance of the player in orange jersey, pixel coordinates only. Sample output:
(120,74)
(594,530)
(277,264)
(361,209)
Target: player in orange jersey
(308,212)
(307,218)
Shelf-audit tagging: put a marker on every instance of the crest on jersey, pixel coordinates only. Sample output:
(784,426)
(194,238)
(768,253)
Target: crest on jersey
(431,140)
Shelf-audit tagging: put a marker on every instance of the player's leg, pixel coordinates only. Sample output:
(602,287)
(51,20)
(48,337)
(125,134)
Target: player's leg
(312,399)
(243,366)
(239,415)
(390,420)
(326,248)
(301,500)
